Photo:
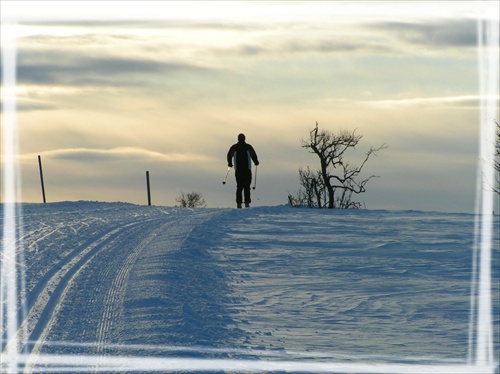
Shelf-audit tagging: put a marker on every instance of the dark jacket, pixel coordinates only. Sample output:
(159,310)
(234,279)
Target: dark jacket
(240,155)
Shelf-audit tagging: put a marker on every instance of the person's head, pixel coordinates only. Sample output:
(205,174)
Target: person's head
(241,137)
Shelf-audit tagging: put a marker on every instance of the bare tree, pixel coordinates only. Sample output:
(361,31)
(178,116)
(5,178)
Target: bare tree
(191,200)
(313,194)
(334,184)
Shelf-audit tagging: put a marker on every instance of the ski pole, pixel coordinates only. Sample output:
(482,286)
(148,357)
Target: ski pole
(224,181)
(255,181)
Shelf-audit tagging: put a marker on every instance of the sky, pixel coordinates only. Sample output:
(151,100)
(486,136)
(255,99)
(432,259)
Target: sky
(107,91)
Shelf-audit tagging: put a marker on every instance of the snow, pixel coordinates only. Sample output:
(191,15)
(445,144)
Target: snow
(119,287)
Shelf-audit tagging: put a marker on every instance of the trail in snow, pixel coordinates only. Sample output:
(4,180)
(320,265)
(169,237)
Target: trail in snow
(54,269)
(119,279)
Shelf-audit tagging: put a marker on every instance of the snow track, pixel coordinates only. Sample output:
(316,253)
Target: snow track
(106,256)
(115,293)
(38,300)
(58,282)
(95,294)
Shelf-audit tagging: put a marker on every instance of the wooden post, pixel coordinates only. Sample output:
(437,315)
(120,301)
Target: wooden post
(41,178)
(149,187)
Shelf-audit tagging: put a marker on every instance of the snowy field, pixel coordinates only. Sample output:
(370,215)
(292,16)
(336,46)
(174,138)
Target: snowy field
(109,287)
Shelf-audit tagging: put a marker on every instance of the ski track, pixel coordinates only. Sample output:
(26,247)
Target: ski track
(87,305)
(38,297)
(115,294)
(59,285)
(45,299)
(115,279)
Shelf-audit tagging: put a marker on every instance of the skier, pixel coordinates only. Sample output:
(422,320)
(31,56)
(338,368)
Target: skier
(242,154)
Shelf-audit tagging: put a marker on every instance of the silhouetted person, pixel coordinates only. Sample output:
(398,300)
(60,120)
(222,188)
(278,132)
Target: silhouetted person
(241,156)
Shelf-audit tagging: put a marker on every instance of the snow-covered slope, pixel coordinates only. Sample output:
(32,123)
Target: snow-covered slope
(269,283)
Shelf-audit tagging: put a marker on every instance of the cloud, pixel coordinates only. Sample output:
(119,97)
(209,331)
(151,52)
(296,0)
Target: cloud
(66,68)
(33,106)
(440,33)
(149,24)
(456,101)
(296,46)
(84,155)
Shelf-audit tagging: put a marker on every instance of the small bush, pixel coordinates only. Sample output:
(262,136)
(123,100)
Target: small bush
(191,200)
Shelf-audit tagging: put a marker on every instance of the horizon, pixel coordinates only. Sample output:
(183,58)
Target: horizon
(167,87)
(300,208)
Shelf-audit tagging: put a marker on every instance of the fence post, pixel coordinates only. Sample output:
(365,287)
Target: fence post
(41,178)
(149,187)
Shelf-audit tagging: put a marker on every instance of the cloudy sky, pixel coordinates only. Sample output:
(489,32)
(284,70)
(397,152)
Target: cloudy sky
(108,91)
